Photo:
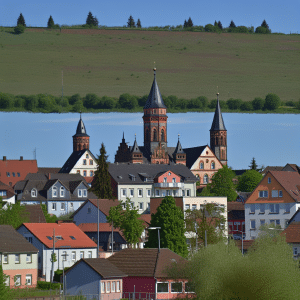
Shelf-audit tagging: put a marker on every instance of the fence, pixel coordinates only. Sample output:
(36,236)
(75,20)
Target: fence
(61,297)
(140,296)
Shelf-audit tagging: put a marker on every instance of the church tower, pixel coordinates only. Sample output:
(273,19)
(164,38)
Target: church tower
(218,135)
(81,140)
(155,126)
(179,155)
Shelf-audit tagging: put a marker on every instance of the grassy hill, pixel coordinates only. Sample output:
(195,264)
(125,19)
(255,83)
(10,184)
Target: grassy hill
(112,62)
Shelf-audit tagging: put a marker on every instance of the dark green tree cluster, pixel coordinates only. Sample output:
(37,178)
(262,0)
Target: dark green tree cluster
(91,21)
(188,23)
(263,28)
(21,20)
(131,22)
(20,28)
(14,215)
(248,181)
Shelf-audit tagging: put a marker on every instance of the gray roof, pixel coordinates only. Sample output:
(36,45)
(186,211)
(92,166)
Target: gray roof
(128,173)
(192,154)
(135,148)
(178,148)
(81,131)
(13,242)
(218,123)
(154,99)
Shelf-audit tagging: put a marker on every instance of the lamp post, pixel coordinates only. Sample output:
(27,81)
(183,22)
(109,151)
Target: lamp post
(242,240)
(64,258)
(151,228)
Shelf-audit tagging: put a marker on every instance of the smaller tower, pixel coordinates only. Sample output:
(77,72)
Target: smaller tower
(136,156)
(81,140)
(123,153)
(218,135)
(179,155)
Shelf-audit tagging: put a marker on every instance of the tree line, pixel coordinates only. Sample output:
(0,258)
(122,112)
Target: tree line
(47,103)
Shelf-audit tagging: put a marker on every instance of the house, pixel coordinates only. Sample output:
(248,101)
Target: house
(287,167)
(275,200)
(236,219)
(147,276)
(292,237)
(70,243)
(88,211)
(62,193)
(140,182)
(94,278)
(18,257)
(7,193)
(14,170)
(81,161)
(203,161)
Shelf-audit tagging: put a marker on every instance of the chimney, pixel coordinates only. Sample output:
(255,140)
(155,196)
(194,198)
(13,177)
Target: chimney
(49,176)
(21,158)
(59,221)
(4,158)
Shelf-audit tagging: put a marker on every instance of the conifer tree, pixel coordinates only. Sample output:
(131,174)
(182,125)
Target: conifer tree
(101,185)
(21,20)
(185,24)
(138,24)
(190,22)
(253,165)
(232,25)
(220,25)
(91,20)
(264,24)
(130,22)
(50,23)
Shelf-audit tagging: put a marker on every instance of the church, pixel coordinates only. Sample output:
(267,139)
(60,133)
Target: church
(203,161)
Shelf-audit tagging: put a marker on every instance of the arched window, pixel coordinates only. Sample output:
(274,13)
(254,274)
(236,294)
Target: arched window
(147,136)
(54,191)
(201,165)
(205,179)
(222,140)
(162,135)
(154,135)
(223,154)
(33,193)
(212,165)
(62,191)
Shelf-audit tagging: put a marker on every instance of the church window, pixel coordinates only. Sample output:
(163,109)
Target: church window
(212,165)
(62,191)
(205,179)
(33,193)
(154,135)
(201,165)
(162,135)
(222,140)
(54,191)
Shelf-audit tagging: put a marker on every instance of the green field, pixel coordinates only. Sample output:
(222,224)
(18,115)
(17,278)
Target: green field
(113,62)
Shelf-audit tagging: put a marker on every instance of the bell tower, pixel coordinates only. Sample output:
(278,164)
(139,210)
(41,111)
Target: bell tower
(81,140)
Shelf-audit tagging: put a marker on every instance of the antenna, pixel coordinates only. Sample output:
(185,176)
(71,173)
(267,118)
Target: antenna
(34,153)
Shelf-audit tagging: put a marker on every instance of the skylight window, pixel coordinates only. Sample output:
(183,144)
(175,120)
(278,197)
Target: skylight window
(49,237)
(72,237)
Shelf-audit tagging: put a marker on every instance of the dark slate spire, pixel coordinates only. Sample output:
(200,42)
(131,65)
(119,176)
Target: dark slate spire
(218,123)
(135,147)
(154,99)
(178,148)
(81,128)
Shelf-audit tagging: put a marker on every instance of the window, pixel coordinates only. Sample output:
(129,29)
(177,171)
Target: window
(28,279)
(162,135)
(287,208)
(84,173)
(274,194)
(141,205)
(108,287)
(71,205)
(176,287)
(269,179)
(252,224)
(84,162)
(113,286)
(174,180)
(18,174)
(168,193)
(140,192)
(154,135)
(17,258)
(5,259)
(29,239)
(263,194)
(131,192)
(188,193)
(7,281)
(54,191)
(183,193)
(62,206)
(274,208)
(236,224)
(28,258)
(102,287)
(49,237)
(62,191)
(205,179)
(157,193)
(64,255)
(72,237)
(148,193)
(165,179)
(2,193)
(13,174)
(91,162)
(33,193)
(212,165)
(84,193)
(148,205)
(54,206)
(201,165)
(162,287)
(277,222)
(252,209)
(89,210)
(90,254)
(81,254)
(91,173)
(194,206)
(79,193)
(78,171)
(86,156)
(280,194)
(187,206)
(7,174)
(189,287)
(261,208)
(169,174)
(262,222)
(73,255)
(17,280)
(118,286)
(123,192)
(295,250)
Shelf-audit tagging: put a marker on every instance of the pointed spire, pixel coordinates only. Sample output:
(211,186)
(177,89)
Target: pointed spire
(218,123)
(135,147)
(178,148)
(81,131)
(123,139)
(154,99)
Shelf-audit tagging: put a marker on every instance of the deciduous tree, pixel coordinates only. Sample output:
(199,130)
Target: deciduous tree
(272,101)
(14,215)
(248,181)
(170,219)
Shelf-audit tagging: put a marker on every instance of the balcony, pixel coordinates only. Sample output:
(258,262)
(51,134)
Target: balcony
(167,185)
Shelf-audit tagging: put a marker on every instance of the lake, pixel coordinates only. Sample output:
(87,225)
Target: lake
(273,139)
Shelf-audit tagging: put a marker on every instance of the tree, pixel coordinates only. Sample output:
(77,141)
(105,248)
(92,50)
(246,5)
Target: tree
(264,24)
(258,103)
(21,20)
(128,221)
(4,290)
(50,23)
(49,219)
(130,22)
(185,24)
(222,185)
(170,219)
(272,101)
(190,23)
(14,215)
(248,181)
(101,185)
(262,30)
(91,20)
(210,218)
(220,25)
(19,29)
(138,24)
(232,25)
(253,165)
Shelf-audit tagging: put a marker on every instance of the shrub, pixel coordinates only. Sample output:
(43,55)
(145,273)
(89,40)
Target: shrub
(258,103)
(44,285)
(246,106)
(73,99)
(290,103)
(19,29)
(6,101)
(59,273)
(234,103)
(263,30)
(272,102)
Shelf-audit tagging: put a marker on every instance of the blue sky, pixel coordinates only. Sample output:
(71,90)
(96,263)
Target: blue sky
(282,16)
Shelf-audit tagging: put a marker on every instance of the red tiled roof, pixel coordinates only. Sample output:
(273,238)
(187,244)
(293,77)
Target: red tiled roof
(105,204)
(235,206)
(65,230)
(146,218)
(292,233)
(23,167)
(9,190)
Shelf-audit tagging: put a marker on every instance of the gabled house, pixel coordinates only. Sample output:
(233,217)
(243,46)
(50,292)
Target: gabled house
(7,193)
(275,200)
(292,236)
(236,219)
(14,170)
(18,257)
(147,276)
(93,278)
(62,193)
(70,243)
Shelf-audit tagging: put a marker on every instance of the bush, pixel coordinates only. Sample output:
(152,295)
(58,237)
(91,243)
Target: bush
(258,103)
(127,101)
(6,101)
(19,29)
(246,106)
(297,104)
(234,103)
(263,30)
(272,102)
(44,285)
(290,103)
(59,273)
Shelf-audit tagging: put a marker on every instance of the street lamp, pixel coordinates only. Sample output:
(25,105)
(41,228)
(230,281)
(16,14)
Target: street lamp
(158,235)
(64,258)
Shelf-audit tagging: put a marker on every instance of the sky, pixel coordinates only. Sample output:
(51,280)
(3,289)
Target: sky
(281,16)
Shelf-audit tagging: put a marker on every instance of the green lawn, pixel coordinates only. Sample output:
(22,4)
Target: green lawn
(112,62)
